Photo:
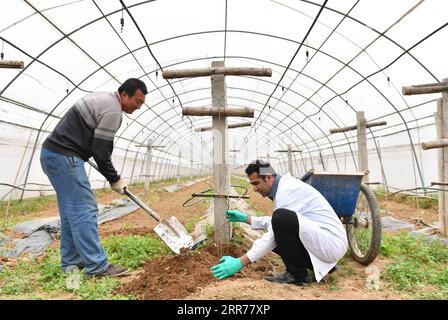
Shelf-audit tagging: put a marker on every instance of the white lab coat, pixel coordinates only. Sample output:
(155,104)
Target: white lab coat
(320,229)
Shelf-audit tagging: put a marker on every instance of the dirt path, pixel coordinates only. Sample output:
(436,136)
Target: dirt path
(409,212)
(164,203)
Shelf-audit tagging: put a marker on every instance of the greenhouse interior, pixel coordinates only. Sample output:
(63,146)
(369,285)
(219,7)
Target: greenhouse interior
(348,97)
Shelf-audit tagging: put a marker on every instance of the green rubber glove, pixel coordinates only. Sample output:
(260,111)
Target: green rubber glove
(236,216)
(228,267)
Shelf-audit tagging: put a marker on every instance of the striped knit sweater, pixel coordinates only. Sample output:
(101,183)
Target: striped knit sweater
(88,129)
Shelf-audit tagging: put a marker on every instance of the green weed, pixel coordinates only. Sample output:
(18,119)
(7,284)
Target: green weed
(17,280)
(132,251)
(417,263)
(28,205)
(237,236)
(191,224)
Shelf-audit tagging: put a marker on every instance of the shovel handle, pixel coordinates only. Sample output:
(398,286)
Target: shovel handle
(148,210)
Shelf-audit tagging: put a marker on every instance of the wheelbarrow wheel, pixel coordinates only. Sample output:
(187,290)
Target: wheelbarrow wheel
(364,233)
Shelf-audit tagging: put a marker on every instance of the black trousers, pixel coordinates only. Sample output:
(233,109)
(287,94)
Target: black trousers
(289,246)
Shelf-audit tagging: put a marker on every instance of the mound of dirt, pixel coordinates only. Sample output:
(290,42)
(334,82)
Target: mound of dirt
(177,277)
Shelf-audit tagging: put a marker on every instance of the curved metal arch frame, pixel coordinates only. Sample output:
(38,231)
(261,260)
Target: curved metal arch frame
(305,1)
(201,33)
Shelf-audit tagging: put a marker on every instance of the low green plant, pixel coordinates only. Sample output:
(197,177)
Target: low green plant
(28,205)
(191,224)
(132,251)
(51,277)
(333,283)
(7,223)
(237,236)
(417,263)
(209,231)
(17,280)
(99,289)
(37,276)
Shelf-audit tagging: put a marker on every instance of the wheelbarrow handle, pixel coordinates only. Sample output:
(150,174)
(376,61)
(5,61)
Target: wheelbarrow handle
(148,210)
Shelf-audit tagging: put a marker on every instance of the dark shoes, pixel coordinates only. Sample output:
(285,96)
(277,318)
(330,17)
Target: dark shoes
(335,268)
(112,271)
(290,279)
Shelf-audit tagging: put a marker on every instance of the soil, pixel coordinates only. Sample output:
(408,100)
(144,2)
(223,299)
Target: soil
(188,276)
(177,277)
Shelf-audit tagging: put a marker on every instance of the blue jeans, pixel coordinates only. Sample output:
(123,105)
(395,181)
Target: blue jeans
(80,244)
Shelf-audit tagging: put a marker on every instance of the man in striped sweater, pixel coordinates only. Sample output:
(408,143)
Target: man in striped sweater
(87,130)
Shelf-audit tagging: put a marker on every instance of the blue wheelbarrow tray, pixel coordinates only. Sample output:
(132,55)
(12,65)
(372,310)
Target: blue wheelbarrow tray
(341,190)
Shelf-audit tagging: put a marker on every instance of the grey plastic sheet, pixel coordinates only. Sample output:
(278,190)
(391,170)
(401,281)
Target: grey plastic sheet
(4,238)
(42,232)
(391,224)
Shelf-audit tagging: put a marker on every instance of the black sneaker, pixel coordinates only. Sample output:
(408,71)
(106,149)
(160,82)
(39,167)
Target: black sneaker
(112,271)
(335,268)
(288,278)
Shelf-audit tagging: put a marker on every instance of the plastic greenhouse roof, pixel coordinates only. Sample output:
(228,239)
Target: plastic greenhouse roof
(329,59)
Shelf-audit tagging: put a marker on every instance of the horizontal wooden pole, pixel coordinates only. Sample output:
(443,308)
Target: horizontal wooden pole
(149,146)
(230,126)
(228,71)
(218,195)
(293,151)
(9,64)
(349,128)
(425,88)
(439,184)
(224,112)
(441,143)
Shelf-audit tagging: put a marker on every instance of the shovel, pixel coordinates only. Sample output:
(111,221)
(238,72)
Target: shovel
(170,230)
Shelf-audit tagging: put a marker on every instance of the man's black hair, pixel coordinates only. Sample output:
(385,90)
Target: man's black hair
(131,85)
(260,166)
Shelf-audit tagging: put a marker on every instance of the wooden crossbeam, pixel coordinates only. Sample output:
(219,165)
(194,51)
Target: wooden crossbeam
(227,71)
(217,111)
(9,64)
(425,88)
(349,128)
(290,151)
(149,146)
(435,144)
(230,126)
(293,151)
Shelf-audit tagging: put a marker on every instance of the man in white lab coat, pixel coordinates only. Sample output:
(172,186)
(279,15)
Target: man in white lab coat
(304,229)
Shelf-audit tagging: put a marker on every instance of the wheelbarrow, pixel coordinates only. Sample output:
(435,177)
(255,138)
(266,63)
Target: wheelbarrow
(356,206)
(170,230)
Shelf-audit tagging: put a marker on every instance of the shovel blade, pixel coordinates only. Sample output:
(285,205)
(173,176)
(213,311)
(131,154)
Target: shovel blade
(174,234)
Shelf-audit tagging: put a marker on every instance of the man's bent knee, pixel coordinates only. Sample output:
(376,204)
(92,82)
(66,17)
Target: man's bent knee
(281,217)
